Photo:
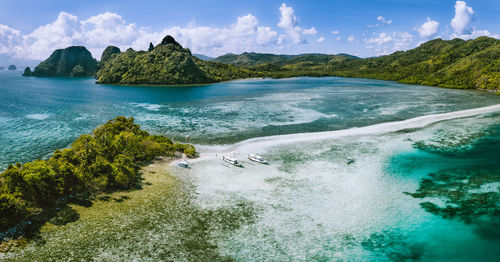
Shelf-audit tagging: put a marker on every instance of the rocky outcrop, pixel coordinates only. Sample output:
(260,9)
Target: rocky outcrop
(27,71)
(166,64)
(109,52)
(12,67)
(72,61)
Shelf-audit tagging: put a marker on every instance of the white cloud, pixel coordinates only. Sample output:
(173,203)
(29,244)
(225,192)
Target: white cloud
(428,28)
(461,20)
(382,20)
(289,22)
(463,15)
(105,29)
(381,39)
(335,32)
(288,18)
(351,38)
(338,38)
(402,40)
(310,31)
(320,40)
(9,38)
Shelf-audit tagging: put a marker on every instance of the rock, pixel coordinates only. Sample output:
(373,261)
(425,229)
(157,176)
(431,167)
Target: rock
(169,40)
(63,62)
(12,67)
(27,71)
(151,47)
(108,52)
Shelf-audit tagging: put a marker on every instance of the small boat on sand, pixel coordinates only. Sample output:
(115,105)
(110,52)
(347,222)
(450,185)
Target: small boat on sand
(183,164)
(232,161)
(257,158)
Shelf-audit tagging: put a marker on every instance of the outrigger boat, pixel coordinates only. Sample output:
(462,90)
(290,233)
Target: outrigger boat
(183,164)
(257,158)
(232,161)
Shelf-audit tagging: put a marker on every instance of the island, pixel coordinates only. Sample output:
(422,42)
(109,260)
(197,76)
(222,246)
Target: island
(168,63)
(12,67)
(74,61)
(456,63)
(106,160)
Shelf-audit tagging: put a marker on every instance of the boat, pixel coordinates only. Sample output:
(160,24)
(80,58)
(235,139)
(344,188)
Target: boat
(183,164)
(257,158)
(350,160)
(232,161)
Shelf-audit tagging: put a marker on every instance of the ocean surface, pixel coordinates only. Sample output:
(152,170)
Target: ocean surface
(308,204)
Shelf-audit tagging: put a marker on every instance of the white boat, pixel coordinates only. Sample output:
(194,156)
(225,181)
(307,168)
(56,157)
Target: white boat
(183,164)
(257,158)
(232,161)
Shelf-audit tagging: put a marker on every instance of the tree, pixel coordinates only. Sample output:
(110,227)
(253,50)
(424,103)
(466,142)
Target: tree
(151,47)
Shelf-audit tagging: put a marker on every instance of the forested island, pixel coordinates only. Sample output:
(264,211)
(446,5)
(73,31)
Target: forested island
(445,63)
(106,160)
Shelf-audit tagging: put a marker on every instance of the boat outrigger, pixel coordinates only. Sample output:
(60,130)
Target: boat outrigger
(257,158)
(232,161)
(183,164)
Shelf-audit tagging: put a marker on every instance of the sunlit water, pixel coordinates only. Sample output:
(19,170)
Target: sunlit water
(311,205)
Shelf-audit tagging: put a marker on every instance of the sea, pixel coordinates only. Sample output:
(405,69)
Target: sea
(308,204)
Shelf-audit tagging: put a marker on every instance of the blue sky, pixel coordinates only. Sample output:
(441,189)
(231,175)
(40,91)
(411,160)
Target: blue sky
(33,29)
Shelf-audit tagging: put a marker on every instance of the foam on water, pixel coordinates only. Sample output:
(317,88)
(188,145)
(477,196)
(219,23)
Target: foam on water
(316,207)
(38,116)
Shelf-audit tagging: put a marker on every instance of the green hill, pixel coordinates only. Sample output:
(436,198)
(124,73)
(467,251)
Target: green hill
(455,64)
(72,61)
(166,64)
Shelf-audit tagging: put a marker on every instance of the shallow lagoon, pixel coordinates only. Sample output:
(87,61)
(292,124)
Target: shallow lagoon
(308,205)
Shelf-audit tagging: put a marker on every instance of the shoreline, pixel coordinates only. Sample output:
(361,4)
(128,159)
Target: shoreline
(261,144)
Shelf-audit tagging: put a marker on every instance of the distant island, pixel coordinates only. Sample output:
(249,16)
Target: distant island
(1,68)
(445,63)
(12,67)
(72,61)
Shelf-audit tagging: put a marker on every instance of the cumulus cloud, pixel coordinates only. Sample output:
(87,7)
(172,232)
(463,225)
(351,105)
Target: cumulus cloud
(105,29)
(428,28)
(382,38)
(335,32)
(289,22)
(320,40)
(351,38)
(463,15)
(402,40)
(461,23)
(9,39)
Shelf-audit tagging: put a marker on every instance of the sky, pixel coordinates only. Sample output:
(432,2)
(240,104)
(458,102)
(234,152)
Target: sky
(34,29)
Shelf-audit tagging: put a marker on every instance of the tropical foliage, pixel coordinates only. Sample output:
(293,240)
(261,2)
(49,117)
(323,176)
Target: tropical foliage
(106,160)
(166,64)
(455,64)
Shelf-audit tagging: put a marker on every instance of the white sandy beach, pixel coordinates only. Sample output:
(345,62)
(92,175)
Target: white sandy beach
(261,144)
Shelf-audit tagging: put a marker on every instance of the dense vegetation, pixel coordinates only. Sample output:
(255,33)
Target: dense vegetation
(455,63)
(106,160)
(166,64)
(109,52)
(72,61)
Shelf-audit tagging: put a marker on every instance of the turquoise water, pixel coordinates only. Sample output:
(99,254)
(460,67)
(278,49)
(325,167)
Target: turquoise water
(310,205)
(39,115)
